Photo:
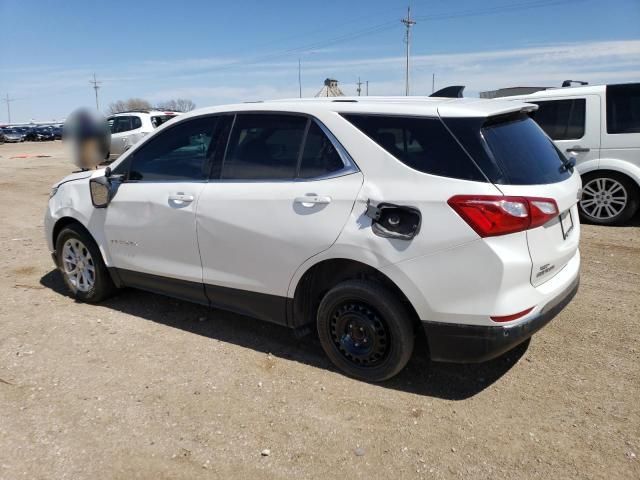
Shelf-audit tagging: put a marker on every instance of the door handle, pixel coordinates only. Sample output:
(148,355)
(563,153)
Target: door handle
(181,198)
(311,200)
(578,149)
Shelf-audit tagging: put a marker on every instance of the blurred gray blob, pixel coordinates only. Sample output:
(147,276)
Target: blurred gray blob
(89,137)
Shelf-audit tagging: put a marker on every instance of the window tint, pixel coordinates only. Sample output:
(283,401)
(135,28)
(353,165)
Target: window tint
(135,123)
(177,154)
(421,143)
(561,119)
(121,124)
(264,147)
(319,156)
(524,155)
(623,108)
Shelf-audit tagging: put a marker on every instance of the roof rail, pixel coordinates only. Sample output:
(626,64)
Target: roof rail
(454,91)
(567,83)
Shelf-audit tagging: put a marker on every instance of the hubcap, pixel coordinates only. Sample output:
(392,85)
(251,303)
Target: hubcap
(603,198)
(360,334)
(78,265)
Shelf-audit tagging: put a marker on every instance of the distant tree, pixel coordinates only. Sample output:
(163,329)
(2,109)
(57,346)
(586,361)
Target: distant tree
(127,105)
(177,105)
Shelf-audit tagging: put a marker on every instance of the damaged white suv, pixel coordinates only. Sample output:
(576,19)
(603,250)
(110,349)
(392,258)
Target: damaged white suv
(370,219)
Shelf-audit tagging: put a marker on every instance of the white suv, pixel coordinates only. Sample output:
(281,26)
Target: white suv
(127,128)
(369,219)
(599,126)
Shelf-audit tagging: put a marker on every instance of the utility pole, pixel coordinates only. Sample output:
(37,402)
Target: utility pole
(359,89)
(433,82)
(96,86)
(408,23)
(300,78)
(367,88)
(8,102)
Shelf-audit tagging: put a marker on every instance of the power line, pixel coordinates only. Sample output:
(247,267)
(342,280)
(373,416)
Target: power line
(408,23)
(8,101)
(96,86)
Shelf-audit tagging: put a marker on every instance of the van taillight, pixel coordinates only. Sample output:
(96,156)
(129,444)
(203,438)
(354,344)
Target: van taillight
(491,215)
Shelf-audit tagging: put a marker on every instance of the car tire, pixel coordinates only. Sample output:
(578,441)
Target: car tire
(602,194)
(365,330)
(90,280)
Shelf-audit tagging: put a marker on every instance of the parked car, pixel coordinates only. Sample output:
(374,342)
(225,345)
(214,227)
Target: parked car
(371,220)
(128,128)
(13,135)
(599,126)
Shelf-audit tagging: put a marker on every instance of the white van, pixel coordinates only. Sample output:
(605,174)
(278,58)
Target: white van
(599,126)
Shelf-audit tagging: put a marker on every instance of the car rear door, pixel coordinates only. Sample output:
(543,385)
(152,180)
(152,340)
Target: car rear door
(282,194)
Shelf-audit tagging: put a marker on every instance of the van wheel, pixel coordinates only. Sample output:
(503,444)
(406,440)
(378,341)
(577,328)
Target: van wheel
(365,330)
(81,265)
(608,198)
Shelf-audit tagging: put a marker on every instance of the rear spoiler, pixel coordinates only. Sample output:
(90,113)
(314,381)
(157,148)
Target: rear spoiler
(454,91)
(483,108)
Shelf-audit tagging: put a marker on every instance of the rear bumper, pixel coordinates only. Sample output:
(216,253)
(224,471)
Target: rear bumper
(450,342)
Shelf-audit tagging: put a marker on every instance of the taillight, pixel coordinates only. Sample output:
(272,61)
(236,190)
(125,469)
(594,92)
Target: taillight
(508,318)
(491,215)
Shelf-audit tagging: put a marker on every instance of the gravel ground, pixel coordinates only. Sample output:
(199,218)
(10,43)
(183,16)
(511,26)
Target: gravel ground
(144,386)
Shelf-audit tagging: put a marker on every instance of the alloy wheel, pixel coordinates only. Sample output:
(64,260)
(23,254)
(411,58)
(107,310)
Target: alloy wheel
(603,198)
(78,265)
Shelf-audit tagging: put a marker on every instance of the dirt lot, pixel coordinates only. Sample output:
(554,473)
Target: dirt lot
(144,386)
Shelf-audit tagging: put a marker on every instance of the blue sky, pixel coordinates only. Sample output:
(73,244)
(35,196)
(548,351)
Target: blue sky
(220,52)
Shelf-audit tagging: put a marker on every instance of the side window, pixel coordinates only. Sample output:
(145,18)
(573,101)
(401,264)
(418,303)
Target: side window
(561,119)
(623,108)
(121,124)
(135,123)
(422,143)
(319,156)
(110,123)
(177,154)
(264,146)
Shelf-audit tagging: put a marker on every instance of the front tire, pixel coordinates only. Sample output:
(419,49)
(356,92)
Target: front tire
(365,330)
(81,265)
(608,198)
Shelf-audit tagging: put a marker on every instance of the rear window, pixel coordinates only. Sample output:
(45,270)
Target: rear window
(157,120)
(423,144)
(522,153)
(623,108)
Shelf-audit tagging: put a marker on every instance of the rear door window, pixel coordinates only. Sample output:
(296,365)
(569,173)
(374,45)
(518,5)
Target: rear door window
(264,147)
(523,154)
(623,108)
(121,124)
(421,143)
(561,119)
(319,156)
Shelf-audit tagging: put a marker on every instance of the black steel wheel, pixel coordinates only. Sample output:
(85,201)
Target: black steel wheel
(365,330)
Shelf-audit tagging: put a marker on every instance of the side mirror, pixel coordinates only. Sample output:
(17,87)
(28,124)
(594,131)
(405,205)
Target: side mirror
(100,188)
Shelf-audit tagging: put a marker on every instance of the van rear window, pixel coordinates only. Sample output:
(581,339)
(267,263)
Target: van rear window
(623,108)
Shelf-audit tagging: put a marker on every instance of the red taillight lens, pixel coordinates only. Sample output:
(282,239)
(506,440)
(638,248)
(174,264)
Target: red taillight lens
(508,318)
(491,215)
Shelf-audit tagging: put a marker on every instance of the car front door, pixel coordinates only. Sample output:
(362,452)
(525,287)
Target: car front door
(282,194)
(150,224)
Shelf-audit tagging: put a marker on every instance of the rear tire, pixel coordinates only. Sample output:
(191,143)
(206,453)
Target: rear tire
(80,262)
(365,330)
(608,198)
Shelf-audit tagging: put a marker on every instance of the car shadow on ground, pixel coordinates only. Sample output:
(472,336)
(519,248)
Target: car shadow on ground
(421,376)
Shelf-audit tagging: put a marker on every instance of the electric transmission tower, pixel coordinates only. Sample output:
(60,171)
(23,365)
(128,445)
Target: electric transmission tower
(408,23)
(96,85)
